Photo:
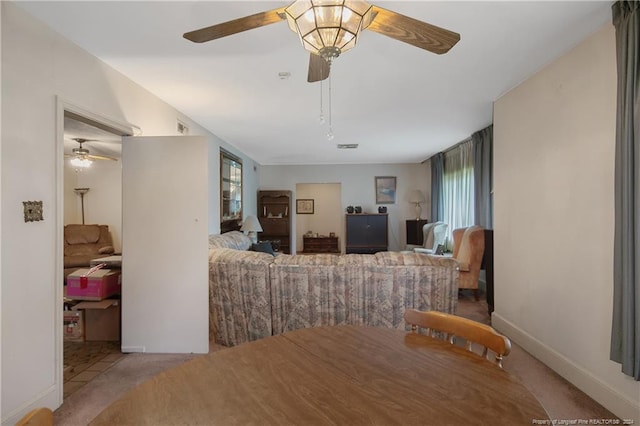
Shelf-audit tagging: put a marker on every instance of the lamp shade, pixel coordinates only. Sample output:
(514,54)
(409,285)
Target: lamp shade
(328,27)
(251,224)
(416,196)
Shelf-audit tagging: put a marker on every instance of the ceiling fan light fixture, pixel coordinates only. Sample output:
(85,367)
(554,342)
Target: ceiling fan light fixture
(80,162)
(328,27)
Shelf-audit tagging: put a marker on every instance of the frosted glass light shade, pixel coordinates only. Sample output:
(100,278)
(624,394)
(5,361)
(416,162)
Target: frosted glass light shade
(328,27)
(80,162)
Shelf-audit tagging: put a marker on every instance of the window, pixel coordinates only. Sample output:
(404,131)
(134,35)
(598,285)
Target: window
(461,185)
(230,192)
(458,189)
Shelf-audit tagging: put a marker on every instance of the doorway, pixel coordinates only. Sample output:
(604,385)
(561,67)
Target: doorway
(93,194)
(325,218)
(90,192)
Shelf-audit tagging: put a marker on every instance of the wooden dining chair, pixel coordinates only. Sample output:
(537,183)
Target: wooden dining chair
(453,326)
(37,417)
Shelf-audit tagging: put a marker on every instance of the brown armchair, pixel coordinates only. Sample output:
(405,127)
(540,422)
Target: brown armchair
(468,249)
(83,243)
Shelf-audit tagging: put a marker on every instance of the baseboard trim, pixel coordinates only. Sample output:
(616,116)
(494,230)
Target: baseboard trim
(133,349)
(608,397)
(47,398)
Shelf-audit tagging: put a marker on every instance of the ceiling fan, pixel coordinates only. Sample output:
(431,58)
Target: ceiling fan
(328,28)
(82,158)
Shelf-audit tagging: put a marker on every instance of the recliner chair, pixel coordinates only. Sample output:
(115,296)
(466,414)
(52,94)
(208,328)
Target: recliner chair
(83,243)
(434,234)
(468,250)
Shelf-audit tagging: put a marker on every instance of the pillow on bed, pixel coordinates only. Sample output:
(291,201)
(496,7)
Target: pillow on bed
(264,247)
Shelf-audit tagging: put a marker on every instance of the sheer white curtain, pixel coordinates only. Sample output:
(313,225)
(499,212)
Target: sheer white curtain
(458,189)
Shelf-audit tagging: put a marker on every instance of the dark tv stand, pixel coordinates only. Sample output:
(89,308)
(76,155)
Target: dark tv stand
(367,233)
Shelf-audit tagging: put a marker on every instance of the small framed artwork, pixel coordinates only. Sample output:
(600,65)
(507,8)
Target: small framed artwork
(385,189)
(304,206)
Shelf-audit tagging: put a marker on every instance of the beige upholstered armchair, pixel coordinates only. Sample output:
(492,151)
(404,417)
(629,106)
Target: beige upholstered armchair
(434,234)
(468,249)
(83,243)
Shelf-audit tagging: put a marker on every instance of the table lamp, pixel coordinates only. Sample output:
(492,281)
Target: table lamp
(252,226)
(417,197)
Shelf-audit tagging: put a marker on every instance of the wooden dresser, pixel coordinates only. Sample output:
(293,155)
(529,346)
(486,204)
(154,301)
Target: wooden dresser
(320,245)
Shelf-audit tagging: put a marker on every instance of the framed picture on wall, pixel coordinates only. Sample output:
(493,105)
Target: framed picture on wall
(385,189)
(304,206)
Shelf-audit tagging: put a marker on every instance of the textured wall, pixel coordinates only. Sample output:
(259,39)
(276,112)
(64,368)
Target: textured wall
(553,179)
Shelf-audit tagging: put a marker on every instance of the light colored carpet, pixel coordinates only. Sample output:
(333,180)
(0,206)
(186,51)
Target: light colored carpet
(561,399)
(87,402)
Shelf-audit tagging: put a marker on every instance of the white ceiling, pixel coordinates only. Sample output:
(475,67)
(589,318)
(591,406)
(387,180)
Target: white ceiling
(401,104)
(98,141)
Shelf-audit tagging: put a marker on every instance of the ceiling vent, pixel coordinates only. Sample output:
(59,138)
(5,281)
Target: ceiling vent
(347,145)
(182,128)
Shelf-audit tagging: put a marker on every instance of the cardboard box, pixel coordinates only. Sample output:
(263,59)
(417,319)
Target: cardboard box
(73,326)
(101,319)
(97,286)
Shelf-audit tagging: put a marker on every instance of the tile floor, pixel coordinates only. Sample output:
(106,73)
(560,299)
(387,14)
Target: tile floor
(83,361)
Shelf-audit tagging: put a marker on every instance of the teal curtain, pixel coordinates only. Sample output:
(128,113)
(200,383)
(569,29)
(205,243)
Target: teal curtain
(437,171)
(483,176)
(625,332)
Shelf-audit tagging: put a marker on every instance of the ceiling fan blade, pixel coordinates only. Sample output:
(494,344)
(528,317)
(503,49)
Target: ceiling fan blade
(100,157)
(417,33)
(236,26)
(318,68)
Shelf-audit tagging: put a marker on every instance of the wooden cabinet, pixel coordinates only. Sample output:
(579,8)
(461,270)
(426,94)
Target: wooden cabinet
(487,265)
(367,233)
(274,208)
(320,245)
(414,232)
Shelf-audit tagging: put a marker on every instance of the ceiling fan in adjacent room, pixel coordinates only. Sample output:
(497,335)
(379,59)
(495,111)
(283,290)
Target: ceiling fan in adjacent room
(82,158)
(328,28)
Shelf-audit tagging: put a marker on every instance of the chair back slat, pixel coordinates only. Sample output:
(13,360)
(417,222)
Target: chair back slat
(455,326)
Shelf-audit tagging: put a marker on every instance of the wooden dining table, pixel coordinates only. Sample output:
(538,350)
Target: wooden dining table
(340,375)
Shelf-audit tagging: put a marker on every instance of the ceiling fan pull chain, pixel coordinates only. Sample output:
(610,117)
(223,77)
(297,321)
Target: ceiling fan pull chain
(330,134)
(321,118)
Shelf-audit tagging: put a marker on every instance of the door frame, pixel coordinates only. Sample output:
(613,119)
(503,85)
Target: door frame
(114,126)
